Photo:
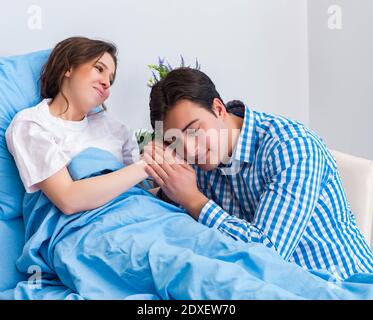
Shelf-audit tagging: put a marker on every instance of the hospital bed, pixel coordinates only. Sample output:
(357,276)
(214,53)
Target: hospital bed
(19,88)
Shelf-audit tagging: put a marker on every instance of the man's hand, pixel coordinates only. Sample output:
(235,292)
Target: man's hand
(176,178)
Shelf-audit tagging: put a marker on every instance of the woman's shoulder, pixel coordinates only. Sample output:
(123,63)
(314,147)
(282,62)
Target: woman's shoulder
(115,125)
(27,122)
(29,115)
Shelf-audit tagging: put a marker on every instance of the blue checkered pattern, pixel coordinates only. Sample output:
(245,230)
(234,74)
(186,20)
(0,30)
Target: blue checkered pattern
(286,193)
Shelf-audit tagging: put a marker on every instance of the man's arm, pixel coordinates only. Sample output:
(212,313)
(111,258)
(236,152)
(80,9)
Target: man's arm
(295,171)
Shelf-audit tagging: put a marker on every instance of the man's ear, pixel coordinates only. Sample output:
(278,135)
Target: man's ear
(219,108)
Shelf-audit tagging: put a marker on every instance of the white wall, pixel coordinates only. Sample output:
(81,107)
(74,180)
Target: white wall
(254,50)
(341,76)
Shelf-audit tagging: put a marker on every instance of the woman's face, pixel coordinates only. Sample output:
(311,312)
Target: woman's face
(88,85)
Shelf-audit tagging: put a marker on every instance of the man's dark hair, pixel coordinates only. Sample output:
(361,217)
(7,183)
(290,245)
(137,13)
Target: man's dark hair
(179,84)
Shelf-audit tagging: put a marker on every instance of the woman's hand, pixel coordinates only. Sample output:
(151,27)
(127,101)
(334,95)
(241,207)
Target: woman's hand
(176,178)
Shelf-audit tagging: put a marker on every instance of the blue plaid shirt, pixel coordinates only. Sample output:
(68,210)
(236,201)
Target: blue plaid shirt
(282,188)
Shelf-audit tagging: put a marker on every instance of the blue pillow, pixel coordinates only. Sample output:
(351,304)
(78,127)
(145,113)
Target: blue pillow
(11,245)
(19,89)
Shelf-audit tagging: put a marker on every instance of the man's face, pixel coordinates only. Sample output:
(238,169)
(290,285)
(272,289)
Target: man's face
(197,135)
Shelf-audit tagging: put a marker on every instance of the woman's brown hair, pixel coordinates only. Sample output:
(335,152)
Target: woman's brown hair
(71,53)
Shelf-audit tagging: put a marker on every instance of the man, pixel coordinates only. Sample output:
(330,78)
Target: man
(270,180)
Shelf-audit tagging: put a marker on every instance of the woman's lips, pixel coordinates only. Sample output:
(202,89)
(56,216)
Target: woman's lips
(100,92)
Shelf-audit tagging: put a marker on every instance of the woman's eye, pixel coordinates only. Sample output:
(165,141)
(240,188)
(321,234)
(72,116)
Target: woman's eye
(99,68)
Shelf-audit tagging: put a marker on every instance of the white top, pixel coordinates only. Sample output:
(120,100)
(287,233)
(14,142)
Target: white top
(42,144)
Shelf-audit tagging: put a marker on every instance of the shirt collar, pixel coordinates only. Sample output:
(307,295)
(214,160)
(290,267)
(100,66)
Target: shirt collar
(244,150)
(69,124)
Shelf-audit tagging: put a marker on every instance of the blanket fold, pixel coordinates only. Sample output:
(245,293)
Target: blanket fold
(137,246)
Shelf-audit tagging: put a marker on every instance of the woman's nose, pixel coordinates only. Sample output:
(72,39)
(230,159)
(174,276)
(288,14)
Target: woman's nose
(105,82)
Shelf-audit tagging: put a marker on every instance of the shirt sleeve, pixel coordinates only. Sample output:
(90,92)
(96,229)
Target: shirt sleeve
(295,171)
(130,149)
(35,152)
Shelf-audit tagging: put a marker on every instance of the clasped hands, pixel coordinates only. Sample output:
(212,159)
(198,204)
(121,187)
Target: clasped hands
(175,177)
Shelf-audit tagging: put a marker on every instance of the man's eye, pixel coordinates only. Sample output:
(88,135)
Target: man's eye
(172,140)
(192,132)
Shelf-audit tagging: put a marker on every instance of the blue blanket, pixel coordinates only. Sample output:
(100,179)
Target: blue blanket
(139,247)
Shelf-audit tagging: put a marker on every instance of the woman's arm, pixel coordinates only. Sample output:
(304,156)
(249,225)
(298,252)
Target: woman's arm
(75,196)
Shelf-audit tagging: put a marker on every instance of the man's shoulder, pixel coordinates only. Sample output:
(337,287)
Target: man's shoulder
(279,128)
(279,132)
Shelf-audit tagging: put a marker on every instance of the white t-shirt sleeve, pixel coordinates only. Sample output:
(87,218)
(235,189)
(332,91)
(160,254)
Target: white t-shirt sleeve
(130,149)
(35,152)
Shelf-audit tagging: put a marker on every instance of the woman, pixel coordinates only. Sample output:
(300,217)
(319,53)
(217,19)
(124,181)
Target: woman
(43,139)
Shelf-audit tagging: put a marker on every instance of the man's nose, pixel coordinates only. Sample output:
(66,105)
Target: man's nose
(192,147)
